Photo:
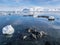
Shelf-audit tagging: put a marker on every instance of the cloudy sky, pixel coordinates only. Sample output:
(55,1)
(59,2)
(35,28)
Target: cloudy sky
(50,3)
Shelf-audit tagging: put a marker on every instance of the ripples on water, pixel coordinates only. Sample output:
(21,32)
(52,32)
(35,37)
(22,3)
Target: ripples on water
(20,25)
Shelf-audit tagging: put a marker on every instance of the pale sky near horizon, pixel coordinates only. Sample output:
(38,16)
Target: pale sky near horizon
(46,3)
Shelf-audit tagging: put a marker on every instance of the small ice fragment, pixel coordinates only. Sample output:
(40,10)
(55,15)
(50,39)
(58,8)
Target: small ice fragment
(24,37)
(42,33)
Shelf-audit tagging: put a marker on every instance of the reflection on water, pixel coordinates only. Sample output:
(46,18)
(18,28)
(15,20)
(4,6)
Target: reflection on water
(8,36)
(20,24)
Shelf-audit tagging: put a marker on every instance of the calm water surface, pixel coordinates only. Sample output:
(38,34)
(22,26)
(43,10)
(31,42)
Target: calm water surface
(21,23)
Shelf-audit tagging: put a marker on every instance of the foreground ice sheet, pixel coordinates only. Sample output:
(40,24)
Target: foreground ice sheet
(8,29)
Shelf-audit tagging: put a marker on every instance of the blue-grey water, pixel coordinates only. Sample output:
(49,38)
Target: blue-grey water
(21,23)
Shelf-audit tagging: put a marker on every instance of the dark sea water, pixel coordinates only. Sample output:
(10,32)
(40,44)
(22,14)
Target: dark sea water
(21,23)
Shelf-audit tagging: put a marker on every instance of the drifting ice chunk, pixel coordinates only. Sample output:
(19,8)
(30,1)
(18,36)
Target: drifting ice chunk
(8,29)
(51,18)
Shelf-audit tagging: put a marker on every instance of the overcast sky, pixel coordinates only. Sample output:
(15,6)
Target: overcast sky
(45,3)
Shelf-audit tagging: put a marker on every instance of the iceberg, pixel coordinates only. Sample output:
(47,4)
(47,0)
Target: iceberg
(8,29)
